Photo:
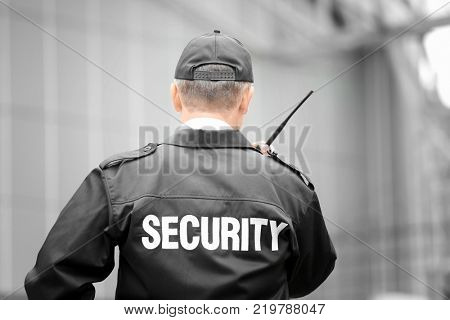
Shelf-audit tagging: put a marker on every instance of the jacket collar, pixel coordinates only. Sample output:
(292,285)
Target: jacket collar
(194,138)
(206,123)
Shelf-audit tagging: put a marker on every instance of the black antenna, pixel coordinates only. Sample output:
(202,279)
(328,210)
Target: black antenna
(283,124)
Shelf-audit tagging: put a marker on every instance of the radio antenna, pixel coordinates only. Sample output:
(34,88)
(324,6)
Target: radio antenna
(283,124)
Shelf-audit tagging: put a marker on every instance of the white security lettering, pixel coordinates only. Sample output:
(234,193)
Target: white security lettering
(167,232)
(215,232)
(151,232)
(230,233)
(276,232)
(184,232)
(258,223)
(244,234)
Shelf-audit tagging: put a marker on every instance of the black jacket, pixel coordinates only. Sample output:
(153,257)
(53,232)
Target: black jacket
(201,216)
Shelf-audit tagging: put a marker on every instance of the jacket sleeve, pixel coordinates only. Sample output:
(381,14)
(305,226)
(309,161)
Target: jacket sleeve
(317,254)
(77,251)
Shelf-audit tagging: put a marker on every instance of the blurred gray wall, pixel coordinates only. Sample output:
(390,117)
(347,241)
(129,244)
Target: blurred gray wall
(62,114)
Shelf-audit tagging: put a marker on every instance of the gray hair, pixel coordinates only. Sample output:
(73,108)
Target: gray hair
(211,95)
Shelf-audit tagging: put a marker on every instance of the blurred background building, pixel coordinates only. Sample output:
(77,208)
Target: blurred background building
(76,76)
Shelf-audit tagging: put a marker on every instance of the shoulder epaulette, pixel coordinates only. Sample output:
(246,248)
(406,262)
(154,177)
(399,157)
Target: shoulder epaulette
(300,174)
(128,156)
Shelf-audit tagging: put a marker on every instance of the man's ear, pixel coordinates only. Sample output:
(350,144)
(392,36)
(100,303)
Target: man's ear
(174,93)
(246,98)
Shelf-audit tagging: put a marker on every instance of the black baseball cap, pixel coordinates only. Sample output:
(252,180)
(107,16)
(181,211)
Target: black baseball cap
(215,48)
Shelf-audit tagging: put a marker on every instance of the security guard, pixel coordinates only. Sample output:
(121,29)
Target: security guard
(202,215)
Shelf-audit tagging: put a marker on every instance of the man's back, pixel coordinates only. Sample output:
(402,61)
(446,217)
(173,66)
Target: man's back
(214,235)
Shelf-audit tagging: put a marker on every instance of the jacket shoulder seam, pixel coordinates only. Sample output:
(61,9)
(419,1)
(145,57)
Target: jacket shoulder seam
(189,196)
(296,171)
